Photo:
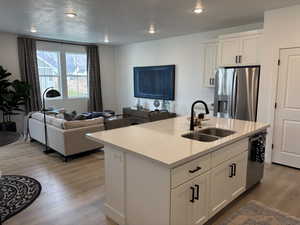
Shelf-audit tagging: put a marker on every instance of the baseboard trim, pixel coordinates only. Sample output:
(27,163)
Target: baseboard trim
(114,215)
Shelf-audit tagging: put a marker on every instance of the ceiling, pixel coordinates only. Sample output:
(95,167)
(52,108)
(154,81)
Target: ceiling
(127,21)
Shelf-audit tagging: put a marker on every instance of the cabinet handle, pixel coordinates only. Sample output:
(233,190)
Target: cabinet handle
(193,195)
(234,169)
(236,59)
(231,171)
(197,191)
(195,170)
(212,81)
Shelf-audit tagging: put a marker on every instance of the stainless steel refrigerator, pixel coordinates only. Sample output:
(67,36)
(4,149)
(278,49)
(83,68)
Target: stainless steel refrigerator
(236,92)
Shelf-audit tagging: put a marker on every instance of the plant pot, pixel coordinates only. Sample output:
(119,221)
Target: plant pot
(8,126)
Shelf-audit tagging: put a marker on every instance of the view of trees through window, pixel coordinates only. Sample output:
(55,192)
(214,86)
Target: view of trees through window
(76,75)
(69,76)
(49,70)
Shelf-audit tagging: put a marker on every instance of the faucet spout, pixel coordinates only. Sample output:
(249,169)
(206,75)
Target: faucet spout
(192,112)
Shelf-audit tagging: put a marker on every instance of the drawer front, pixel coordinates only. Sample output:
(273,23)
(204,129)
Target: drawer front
(189,170)
(229,152)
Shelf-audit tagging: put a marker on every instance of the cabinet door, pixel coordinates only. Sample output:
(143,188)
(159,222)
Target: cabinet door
(229,49)
(210,64)
(181,205)
(200,206)
(238,181)
(250,46)
(220,188)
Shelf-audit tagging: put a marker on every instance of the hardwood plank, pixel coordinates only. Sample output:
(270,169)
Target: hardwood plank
(73,192)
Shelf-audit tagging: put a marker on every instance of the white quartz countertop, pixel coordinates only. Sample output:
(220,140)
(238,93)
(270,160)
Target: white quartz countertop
(161,141)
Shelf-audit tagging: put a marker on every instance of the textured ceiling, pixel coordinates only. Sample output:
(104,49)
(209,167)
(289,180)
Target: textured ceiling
(126,21)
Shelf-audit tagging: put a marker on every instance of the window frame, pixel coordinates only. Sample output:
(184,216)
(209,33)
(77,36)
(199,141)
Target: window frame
(63,49)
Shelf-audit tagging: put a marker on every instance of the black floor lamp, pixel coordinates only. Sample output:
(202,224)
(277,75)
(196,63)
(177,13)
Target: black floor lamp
(49,93)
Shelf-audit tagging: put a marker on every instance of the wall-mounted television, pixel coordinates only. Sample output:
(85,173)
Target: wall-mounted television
(155,82)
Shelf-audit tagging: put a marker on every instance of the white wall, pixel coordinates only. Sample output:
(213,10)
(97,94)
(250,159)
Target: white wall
(281,30)
(184,51)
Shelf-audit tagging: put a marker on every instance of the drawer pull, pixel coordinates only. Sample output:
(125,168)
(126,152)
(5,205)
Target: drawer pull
(193,195)
(197,191)
(234,169)
(231,171)
(195,170)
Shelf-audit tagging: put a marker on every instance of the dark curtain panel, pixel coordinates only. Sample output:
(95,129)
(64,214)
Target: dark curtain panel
(29,71)
(93,66)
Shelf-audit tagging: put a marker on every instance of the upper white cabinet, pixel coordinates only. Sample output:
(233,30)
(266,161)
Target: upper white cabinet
(240,49)
(210,63)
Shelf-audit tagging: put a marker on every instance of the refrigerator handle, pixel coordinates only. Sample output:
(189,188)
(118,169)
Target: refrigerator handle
(233,96)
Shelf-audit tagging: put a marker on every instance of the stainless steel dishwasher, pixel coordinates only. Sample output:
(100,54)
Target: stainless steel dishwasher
(256,159)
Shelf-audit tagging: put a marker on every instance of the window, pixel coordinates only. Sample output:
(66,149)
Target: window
(77,75)
(49,70)
(63,67)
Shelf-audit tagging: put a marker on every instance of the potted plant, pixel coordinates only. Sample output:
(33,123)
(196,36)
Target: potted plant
(13,95)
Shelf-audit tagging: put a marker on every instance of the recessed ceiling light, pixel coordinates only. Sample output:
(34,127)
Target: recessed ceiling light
(199,7)
(152,29)
(106,40)
(71,14)
(33,30)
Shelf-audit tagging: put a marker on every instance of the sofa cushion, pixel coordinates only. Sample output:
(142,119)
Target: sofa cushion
(82,123)
(50,119)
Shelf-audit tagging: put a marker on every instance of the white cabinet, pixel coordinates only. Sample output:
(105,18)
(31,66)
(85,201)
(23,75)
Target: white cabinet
(229,50)
(220,188)
(238,181)
(189,202)
(142,191)
(241,49)
(228,181)
(210,63)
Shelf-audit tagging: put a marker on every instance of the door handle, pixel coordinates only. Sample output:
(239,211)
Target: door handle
(197,191)
(193,195)
(195,170)
(231,171)
(234,169)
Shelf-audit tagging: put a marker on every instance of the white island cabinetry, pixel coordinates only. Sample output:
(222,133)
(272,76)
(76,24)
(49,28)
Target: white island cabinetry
(153,175)
(142,191)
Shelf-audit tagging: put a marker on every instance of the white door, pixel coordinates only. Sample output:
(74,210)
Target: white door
(287,117)
(200,206)
(220,188)
(182,204)
(229,50)
(238,181)
(250,49)
(210,64)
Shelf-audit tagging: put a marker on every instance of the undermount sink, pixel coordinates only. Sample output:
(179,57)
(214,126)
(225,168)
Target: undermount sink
(200,137)
(208,134)
(217,132)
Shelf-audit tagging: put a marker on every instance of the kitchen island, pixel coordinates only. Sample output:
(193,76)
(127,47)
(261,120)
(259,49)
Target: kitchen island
(153,175)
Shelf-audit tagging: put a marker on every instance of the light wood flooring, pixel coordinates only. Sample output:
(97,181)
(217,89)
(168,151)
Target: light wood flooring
(73,192)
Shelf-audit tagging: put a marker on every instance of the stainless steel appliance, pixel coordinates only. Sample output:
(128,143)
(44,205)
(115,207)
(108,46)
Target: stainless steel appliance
(256,159)
(236,92)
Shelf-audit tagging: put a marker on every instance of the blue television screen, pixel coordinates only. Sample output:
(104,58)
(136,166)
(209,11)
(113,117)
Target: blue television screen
(155,82)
